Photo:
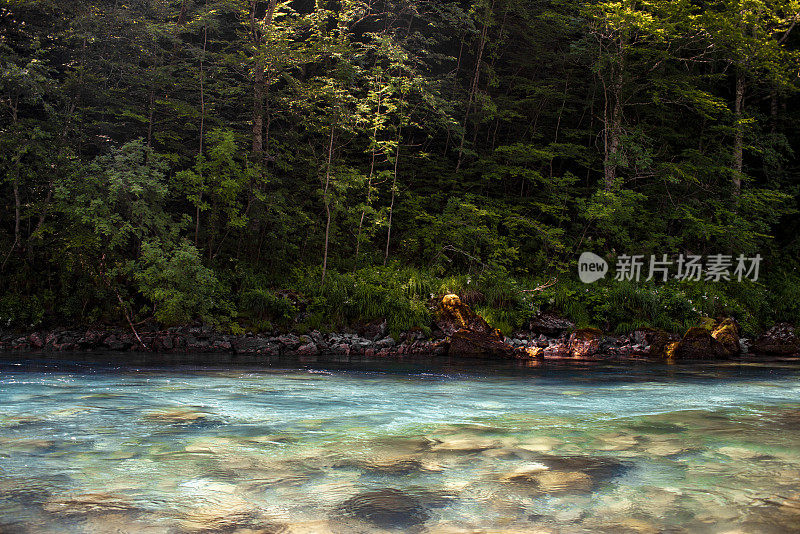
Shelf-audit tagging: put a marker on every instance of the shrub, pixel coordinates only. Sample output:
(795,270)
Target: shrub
(178,285)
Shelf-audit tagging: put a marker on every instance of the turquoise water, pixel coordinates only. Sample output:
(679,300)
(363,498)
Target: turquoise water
(320,446)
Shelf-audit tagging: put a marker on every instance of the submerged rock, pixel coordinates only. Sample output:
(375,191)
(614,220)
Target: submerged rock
(600,468)
(177,416)
(88,503)
(228,515)
(390,466)
(386,508)
(466,445)
(558,475)
(543,480)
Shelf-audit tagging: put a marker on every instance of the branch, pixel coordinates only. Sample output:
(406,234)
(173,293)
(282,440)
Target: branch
(122,305)
(542,287)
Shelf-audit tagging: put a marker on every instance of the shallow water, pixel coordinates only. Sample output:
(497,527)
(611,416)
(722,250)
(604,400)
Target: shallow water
(331,446)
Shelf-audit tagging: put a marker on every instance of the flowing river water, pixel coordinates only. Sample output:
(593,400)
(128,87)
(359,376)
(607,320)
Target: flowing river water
(426,446)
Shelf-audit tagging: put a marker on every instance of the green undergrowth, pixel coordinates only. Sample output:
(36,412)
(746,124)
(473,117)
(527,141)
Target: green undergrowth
(403,296)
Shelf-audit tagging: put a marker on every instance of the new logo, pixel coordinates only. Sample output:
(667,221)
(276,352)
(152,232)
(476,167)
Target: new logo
(591,267)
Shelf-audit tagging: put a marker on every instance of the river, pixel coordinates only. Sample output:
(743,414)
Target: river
(91,444)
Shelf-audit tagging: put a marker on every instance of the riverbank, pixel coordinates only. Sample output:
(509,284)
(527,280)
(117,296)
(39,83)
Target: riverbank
(456,331)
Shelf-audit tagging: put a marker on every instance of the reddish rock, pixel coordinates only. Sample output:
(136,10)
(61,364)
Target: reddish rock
(36,340)
(529,353)
(222,345)
(342,348)
(781,339)
(559,349)
(290,341)
(309,349)
(585,342)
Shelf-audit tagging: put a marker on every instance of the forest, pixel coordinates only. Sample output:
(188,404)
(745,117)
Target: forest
(237,162)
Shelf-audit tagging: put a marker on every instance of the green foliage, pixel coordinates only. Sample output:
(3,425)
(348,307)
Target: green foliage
(21,312)
(621,307)
(398,295)
(472,148)
(180,288)
(264,304)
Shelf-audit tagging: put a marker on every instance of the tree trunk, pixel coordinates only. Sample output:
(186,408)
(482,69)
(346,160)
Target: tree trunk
(17,201)
(371,170)
(391,205)
(474,87)
(258,110)
(613,126)
(259,77)
(327,205)
(738,140)
(150,107)
(773,111)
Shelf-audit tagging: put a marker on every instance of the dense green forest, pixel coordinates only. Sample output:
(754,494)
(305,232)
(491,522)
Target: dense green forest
(199,160)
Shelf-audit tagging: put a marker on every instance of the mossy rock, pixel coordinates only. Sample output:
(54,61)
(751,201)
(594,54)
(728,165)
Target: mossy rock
(662,345)
(484,344)
(453,315)
(707,323)
(698,344)
(727,333)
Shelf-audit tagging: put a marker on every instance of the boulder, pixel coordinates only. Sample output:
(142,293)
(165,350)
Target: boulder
(290,341)
(374,330)
(470,334)
(585,342)
(697,344)
(727,333)
(470,343)
(36,340)
(550,324)
(781,339)
(557,349)
(662,344)
(309,349)
(642,336)
(453,315)
(529,353)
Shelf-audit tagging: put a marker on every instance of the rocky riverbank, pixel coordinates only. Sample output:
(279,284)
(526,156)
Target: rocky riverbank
(457,331)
